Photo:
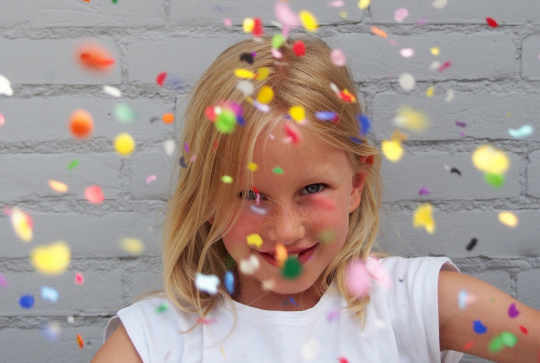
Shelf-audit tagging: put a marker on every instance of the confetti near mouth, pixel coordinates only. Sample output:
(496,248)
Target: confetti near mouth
(423,218)
(52,259)
(95,57)
(254,240)
(81,124)
(22,224)
(292,268)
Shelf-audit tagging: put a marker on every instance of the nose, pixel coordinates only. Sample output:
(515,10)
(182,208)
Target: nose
(285,225)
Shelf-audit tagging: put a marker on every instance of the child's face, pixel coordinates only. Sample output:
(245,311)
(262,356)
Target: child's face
(305,204)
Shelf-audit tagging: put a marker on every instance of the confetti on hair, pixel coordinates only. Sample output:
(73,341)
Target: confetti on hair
(338,58)
(308,21)
(5,86)
(513,312)
(277,40)
(207,283)
(523,131)
(81,124)
(244,73)
(227,179)
(226,121)
(479,328)
(471,244)
(299,48)
(297,113)
(80,341)
(51,259)
(22,224)
(252,166)
(266,94)
(357,279)
(262,73)
(229,282)
(133,246)
(277,170)
(95,57)
(491,22)
(254,239)
(423,218)
(401,14)
(508,219)
(379,32)
(445,65)
(326,115)
(247,57)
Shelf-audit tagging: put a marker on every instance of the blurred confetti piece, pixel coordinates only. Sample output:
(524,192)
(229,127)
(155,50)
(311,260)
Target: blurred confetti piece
(508,219)
(406,81)
(291,269)
(471,244)
(48,293)
(5,86)
(449,95)
(326,115)
(439,4)
(260,211)
(338,58)
(266,94)
(523,131)
(310,349)
(227,179)
(285,15)
(308,21)
(51,259)
(124,113)
(227,22)
(94,56)
(94,194)
(379,32)
(489,159)
(207,283)
(492,23)
(151,178)
(401,14)
(51,331)
(2,120)
(297,113)
(423,218)
(3,282)
(268,284)
(379,273)
(161,78)
(299,48)
(430,91)
(364,124)
(79,278)
(252,166)
(423,191)
(478,327)
(434,51)
(73,164)
(249,266)
(58,186)
(132,246)
(169,146)
(392,150)
(513,312)
(357,279)
(363,4)
(411,119)
(112,91)
(168,118)
(81,124)
(254,240)
(22,224)
(124,144)
(496,180)
(277,170)
(406,52)
(80,341)
(244,73)
(162,308)
(229,282)
(445,65)
(26,301)
(246,87)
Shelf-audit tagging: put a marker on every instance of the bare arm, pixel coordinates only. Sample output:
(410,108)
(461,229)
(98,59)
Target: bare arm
(117,349)
(491,308)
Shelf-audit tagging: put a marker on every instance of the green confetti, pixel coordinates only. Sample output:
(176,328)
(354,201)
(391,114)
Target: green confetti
(229,262)
(277,170)
(225,122)
(162,308)
(508,339)
(495,180)
(277,40)
(114,1)
(73,164)
(327,236)
(496,345)
(291,268)
(227,179)
(500,341)
(124,113)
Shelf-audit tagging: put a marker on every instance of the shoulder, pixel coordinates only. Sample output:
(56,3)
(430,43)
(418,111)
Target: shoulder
(411,266)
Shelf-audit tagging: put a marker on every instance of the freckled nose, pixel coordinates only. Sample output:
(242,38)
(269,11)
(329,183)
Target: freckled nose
(286,228)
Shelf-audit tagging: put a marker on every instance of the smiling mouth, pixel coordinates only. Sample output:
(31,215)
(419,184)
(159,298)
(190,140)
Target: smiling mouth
(302,255)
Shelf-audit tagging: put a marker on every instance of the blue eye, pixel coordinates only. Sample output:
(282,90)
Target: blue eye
(249,195)
(314,188)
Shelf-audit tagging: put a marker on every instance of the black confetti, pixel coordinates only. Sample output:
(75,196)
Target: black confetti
(247,57)
(471,244)
(182,162)
(455,170)
(154,119)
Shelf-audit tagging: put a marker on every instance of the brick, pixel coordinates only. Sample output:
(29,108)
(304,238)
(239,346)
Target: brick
(533,175)
(458,12)
(88,236)
(473,56)
(497,278)
(157,163)
(26,121)
(28,175)
(144,282)
(454,230)
(206,12)
(404,179)
(527,293)
(48,61)
(136,13)
(30,346)
(487,115)
(530,57)
(102,292)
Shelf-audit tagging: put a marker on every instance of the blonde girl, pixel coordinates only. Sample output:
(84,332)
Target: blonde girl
(269,231)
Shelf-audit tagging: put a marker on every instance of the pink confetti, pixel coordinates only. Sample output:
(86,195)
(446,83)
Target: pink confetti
(338,57)
(151,178)
(379,273)
(406,52)
(392,42)
(276,53)
(79,278)
(357,279)
(285,15)
(2,120)
(401,14)
(227,22)
(421,21)
(3,281)
(94,194)
(336,3)
(293,134)
(193,157)
(333,314)
(462,134)
(444,66)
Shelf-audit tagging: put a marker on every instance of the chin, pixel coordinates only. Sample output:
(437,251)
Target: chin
(292,287)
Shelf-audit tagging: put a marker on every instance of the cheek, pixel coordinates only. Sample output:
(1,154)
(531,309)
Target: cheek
(235,240)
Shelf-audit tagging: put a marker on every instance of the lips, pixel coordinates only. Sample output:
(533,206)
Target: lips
(303,255)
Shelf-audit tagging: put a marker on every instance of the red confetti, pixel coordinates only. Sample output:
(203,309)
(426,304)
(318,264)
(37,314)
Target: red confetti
(94,195)
(80,341)
(210,113)
(468,345)
(293,133)
(444,66)
(94,57)
(523,329)
(299,48)
(257,28)
(343,360)
(161,78)
(492,23)
(215,146)
(79,278)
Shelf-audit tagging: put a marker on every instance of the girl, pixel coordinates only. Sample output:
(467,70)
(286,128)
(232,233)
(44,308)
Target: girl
(273,218)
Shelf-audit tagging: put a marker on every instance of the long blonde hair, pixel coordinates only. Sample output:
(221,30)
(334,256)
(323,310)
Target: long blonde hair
(192,244)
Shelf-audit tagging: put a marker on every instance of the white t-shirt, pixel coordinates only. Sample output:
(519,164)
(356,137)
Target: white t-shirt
(402,326)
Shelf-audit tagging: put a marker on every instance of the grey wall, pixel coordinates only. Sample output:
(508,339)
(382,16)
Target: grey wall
(495,74)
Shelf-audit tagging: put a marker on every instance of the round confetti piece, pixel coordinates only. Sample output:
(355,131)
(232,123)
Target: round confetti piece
(292,269)
(435,51)
(51,259)
(491,22)
(227,22)
(338,58)
(489,159)
(124,113)
(297,113)
(392,150)
(5,86)
(277,40)
(513,312)
(26,301)
(406,52)
(94,194)
(95,57)
(496,344)
(22,224)
(2,120)
(308,21)
(80,341)
(266,94)
(226,121)
(285,15)
(401,14)
(430,91)
(227,179)
(494,179)
(299,48)
(168,118)
(124,144)
(363,4)
(508,219)
(81,124)
(244,73)
(252,166)
(58,186)
(411,119)
(407,82)
(262,73)
(112,91)
(254,240)
(162,308)
(247,25)
(133,246)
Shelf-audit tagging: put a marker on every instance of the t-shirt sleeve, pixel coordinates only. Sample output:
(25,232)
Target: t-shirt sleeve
(154,333)
(413,307)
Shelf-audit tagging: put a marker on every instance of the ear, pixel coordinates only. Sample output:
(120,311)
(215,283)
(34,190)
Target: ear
(358,182)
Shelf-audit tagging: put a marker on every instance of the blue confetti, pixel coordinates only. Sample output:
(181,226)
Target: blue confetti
(292,300)
(479,327)
(48,293)
(326,115)
(229,282)
(523,131)
(365,124)
(26,301)
(462,299)
(240,120)
(356,140)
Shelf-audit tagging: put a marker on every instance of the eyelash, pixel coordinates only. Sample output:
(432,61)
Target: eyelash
(245,194)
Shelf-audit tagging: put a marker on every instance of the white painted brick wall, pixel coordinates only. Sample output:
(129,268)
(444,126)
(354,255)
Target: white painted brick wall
(495,74)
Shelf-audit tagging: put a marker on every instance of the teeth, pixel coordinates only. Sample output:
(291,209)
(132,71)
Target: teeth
(293,255)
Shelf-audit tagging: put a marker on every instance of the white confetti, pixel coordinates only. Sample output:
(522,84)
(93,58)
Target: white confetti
(5,86)
(112,91)
(310,349)
(246,87)
(439,4)
(523,131)
(207,283)
(48,293)
(170,146)
(407,52)
(449,95)
(406,81)
(250,265)
(435,65)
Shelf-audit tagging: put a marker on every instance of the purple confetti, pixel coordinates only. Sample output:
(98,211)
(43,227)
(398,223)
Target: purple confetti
(462,134)
(186,147)
(423,191)
(332,315)
(461,124)
(3,281)
(513,311)
(292,300)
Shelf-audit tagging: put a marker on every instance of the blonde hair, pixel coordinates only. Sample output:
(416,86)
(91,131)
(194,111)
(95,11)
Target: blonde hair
(192,244)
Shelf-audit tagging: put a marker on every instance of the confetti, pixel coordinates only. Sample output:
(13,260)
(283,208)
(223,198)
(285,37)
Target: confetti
(406,81)
(94,194)
(363,4)
(502,340)
(439,4)
(449,95)
(51,259)
(478,327)
(247,25)
(244,73)
(308,21)
(513,312)
(471,244)
(423,191)
(48,293)
(455,171)
(2,120)
(51,331)
(250,265)
(293,134)
(423,218)
(430,91)
(379,32)
(151,178)
(73,164)
(406,52)
(266,94)
(252,166)
(299,48)
(411,119)
(392,150)
(338,58)
(445,65)
(310,349)
(297,113)
(95,57)
(292,269)
(169,146)
(493,179)
(277,170)
(379,273)
(79,278)
(401,14)
(257,27)
(435,51)
(168,118)
(227,179)
(207,283)
(124,144)
(468,345)
(254,240)
(336,3)
(5,86)
(226,121)
(326,115)
(58,186)
(22,224)
(229,282)
(162,308)
(246,57)
(489,159)
(160,79)
(268,284)
(333,314)
(112,91)
(3,282)
(357,279)
(343,360)
(244,86)
(124,113)
(80,341)
(262,73)
(491,22)
(523,330)
(227,22)
(523,131)
(460,124)
(132,246)
(508,219)
(281,254)
(81,124)
(260,211)
(26,301)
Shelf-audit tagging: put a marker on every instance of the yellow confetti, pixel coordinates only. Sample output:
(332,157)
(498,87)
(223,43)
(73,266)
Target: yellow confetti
(254,240)
(227,179)
(248,25)
(58,186)
(52,259)
(124,144)
(392,150)
(508,219)
(379,32)
(411,119)
(244,73)
(430,91)
(281,254)
(308,21)
(489,159)
(343,14)
(133,246)
(398,136)
(22,224)
(423,217)
(266,95)
(435,51)
(297,113)
(262,73)
(363,4)
(252,166)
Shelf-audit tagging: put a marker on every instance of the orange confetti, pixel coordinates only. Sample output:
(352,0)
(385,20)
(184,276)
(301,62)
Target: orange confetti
(80,341)
(168,118)
(379,32)
(94,57)
(81,124)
